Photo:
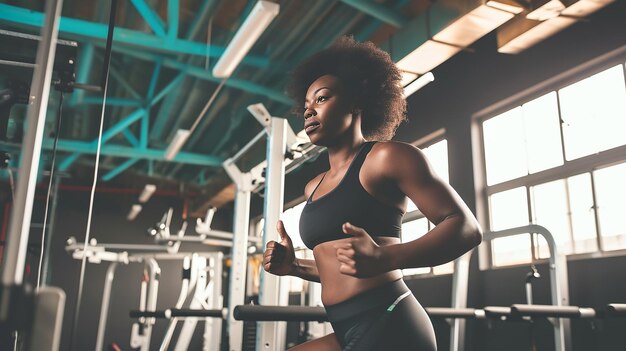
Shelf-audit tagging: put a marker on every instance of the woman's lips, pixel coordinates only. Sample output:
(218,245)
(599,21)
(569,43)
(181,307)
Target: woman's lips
(311,128)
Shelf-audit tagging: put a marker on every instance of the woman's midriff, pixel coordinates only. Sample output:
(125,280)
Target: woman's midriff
(338,287)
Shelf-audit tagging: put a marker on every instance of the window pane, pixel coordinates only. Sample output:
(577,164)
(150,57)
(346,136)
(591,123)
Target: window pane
(543,135)
(511,250)
(445,268)
(583,219)
(291,219)
(411,231)
(437,154)
(505,154)
(509,209)
(550,210)
(611,197)
(594,113)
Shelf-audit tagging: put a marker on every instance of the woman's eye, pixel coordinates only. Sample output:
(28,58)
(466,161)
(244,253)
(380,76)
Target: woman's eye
(321,99)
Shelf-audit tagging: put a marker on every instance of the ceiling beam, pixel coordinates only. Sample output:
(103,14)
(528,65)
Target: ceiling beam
(379,11)
(131,152)
(119,169)
(86,30)
(152,18)
(106,136)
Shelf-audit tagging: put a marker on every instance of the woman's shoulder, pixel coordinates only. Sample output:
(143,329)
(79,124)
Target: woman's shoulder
(392,150)
(395,157)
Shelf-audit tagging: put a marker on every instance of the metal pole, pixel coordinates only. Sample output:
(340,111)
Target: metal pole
(271,335)
(19,227)
(237,287)
(104,307)
(460,283)
(53,210)
(558,286)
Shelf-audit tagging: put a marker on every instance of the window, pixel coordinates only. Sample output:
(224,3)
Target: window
(415,224)
(559,161)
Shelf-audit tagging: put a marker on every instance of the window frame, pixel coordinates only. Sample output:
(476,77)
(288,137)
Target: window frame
(585,164)
(421,143)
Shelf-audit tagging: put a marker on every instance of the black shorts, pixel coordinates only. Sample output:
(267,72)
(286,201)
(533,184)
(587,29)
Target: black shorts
(387,317)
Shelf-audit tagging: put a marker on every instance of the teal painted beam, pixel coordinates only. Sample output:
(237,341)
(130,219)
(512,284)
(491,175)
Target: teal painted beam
(168,88)
(112,101)
(121,125)
(119,169)
(151,168)
(152,18)
(85,62)
(172,18)
(373,26)
(154,80)
(202,73)
(145,121)
(196,24)
(121,79)
(131,152)
(241,84)
(97,32)
(106,136)
(379,11)
(132,139)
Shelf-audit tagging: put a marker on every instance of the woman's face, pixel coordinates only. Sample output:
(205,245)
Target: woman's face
(327,110)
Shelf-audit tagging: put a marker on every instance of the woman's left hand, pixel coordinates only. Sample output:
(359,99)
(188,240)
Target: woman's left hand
(359,256)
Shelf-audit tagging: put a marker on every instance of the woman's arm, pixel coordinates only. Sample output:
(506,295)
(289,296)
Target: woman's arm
(456,229)
(455,233)
(306,269)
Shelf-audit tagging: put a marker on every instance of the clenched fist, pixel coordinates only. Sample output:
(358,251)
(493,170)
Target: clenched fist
(279,257)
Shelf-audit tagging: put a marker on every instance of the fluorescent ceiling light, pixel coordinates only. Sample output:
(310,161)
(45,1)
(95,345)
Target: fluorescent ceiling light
(418,84)
(582,8)
(147,192)
(255,24)
(473,26)
(407,77)
(482,18)
(547,9)
(523,33)
(177,143)
(134,211)
(506,5)
(427,56)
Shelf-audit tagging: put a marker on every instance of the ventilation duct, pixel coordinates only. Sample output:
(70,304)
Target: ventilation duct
(525,30)
(446,28)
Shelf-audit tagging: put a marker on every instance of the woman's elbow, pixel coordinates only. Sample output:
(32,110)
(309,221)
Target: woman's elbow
(473,233)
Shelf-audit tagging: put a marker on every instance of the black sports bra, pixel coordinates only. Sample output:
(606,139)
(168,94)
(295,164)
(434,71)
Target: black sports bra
(321,220)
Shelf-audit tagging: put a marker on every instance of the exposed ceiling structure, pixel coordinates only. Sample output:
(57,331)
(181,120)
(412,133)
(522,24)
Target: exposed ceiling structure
(163,78)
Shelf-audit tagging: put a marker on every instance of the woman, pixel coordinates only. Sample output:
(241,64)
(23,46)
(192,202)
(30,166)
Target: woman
(353,103)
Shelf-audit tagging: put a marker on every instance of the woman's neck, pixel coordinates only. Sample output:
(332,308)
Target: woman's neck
(342,154)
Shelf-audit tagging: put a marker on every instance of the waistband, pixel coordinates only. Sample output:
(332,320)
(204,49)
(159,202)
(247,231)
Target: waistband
(383,295)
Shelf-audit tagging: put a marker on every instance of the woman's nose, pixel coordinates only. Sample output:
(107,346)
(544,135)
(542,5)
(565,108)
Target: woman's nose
(308,113)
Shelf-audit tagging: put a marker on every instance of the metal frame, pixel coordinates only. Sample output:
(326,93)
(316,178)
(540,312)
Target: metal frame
(270,336)
(47,320)
(558,286)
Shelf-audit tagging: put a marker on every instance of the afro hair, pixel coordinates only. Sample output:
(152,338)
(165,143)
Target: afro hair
(370,77)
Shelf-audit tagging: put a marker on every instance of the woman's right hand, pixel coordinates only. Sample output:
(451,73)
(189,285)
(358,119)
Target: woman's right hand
(279,257)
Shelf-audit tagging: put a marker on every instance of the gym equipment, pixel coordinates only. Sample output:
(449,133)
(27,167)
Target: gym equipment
(195,274)
(46,321)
